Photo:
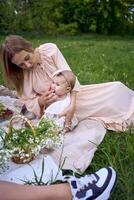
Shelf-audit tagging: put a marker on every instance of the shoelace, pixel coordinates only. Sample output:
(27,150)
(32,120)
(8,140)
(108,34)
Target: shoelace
(84,181)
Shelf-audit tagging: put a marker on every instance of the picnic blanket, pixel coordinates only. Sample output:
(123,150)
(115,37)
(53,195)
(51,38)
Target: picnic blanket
(28,173)
(83,145)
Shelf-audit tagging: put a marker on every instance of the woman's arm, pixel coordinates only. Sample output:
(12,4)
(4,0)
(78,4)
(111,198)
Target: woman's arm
(69,111)
(37,103)
(72,106)
(34,101)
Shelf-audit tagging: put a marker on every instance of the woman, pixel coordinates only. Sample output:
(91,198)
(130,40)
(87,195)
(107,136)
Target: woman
(96,186)
(99,106)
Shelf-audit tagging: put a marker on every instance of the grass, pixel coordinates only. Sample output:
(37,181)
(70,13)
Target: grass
(96,59)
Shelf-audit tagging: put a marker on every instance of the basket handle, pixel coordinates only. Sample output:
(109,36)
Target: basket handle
(23,118)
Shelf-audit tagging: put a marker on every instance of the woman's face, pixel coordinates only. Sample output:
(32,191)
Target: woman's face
(25,60)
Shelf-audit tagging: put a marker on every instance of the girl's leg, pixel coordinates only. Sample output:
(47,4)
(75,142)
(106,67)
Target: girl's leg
(12,191)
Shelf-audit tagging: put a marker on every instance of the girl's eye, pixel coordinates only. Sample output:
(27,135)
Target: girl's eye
(27,57)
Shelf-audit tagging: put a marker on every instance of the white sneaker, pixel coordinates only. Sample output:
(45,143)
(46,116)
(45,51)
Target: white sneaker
(97,186)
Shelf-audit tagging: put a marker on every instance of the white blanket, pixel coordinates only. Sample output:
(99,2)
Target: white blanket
(11,103)
(21,173)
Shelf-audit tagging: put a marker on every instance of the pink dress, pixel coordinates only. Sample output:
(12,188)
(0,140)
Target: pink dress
(99,106)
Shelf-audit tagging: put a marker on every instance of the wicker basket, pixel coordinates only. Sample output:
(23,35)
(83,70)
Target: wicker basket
(17,159)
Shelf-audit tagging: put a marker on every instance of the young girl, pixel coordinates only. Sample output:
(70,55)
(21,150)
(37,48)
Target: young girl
(63,84)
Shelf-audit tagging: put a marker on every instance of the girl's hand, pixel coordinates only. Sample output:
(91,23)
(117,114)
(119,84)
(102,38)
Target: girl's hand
(46,98)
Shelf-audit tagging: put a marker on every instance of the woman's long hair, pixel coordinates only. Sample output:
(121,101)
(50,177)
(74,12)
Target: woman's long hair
(13,74)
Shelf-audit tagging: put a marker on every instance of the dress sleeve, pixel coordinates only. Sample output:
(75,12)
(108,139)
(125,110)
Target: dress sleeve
(32,105)
(62,64)
(29,96)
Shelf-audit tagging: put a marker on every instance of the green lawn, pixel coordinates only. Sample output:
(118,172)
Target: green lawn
(96,59)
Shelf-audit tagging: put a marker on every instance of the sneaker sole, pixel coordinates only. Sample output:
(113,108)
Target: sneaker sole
(106,194)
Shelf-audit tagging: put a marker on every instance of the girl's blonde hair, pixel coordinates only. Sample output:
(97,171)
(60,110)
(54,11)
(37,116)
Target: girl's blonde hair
(68,75)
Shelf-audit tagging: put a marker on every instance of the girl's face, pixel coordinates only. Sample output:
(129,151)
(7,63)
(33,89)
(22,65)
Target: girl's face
(25,60)
(60,85)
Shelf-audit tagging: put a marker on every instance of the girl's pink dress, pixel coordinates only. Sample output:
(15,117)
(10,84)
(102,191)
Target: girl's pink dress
(98,107)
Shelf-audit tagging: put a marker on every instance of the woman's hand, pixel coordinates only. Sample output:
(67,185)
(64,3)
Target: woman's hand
(47,98)
(68,113)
